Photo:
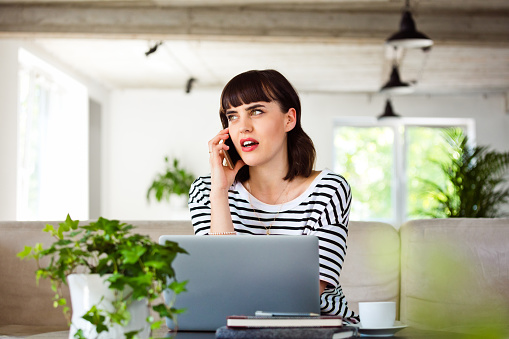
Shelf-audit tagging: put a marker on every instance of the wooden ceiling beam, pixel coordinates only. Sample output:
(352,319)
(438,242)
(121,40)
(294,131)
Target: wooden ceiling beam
(240,23)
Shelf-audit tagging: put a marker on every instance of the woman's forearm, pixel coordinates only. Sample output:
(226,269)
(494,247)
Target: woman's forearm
(220,217)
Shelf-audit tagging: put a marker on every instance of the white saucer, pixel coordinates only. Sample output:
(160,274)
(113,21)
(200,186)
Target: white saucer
(381,332)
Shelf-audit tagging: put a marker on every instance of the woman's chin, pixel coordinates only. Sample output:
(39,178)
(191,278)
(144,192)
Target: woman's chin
(250,161)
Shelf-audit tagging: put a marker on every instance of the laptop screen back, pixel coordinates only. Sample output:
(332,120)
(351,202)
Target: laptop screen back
(239,275)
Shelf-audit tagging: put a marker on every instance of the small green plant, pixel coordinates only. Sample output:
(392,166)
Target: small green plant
(109,247)
(474,181)
(174,180)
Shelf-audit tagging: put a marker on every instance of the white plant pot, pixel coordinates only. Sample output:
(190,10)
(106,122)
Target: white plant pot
(88,290)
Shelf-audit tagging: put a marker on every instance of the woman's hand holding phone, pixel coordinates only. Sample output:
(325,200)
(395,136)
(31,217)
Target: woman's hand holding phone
(222,176)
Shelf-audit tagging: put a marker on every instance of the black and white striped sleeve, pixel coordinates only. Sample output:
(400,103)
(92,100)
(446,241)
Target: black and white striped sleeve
(332,227)
(199,205)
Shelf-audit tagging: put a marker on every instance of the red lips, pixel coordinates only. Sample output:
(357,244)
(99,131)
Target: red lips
(248,144)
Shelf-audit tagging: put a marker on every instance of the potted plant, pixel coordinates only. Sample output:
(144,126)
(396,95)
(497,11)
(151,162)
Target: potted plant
(474,178)
(172,185)
(129,270)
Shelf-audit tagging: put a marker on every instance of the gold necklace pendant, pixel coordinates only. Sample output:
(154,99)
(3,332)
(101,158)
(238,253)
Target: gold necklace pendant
(267,230)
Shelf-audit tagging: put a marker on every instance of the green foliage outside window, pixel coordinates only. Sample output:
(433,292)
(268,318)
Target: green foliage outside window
(474,178)
(423,143)
(365,159)
(365,156)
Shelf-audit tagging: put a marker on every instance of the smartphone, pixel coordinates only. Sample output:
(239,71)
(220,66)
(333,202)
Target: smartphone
(231,156)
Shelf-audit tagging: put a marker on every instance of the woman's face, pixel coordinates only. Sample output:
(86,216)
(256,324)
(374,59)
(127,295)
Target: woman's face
(258,131)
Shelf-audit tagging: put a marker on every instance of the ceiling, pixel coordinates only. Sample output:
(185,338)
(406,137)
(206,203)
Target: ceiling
(321,46)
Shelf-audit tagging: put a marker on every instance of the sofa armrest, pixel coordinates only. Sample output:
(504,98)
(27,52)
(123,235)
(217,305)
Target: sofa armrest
(455,273)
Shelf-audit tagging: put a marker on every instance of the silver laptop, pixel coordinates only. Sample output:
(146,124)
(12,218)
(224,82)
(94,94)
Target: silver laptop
(239,275)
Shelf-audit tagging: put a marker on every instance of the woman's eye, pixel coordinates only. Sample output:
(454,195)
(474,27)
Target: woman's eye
(231,117)
(256,112)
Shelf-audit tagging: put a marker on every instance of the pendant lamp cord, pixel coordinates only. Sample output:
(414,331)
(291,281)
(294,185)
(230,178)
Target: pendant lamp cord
(424,62)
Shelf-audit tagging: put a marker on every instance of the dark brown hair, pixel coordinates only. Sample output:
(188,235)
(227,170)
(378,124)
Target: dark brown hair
(270,85)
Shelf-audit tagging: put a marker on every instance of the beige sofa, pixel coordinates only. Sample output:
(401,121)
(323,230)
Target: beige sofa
(447,274)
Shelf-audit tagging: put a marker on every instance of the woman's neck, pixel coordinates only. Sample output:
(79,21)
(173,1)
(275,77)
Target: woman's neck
(267,184)
(270,187)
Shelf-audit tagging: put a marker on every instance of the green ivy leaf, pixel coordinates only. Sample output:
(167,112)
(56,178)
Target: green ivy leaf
(156,325)
(162,310)
(66,226)
(94,317)
(49,229)
(155,264)
(178,287)
(131,335)
(178,310)
(79,334)
(132,254)
(121,315)
(25,253)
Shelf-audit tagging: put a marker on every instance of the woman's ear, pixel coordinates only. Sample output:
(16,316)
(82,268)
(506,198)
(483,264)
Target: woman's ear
(290,119)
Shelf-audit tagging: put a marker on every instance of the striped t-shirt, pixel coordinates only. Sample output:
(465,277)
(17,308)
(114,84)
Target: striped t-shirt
(322,210)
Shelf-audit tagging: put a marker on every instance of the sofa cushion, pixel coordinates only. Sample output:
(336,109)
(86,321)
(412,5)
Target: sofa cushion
(455,274)
(371,268)
(24,303)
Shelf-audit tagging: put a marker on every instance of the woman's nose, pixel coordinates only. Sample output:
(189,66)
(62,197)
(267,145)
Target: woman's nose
(246,125)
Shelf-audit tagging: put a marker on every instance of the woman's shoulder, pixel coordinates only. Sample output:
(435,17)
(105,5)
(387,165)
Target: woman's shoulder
(202,182)
(329,180)
(326,175)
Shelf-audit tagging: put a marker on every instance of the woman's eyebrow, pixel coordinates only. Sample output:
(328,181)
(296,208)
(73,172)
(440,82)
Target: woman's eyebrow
(249,108)
(254,106)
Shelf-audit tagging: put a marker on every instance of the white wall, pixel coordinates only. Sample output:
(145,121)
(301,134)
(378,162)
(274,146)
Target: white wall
(8,128)
(146,125)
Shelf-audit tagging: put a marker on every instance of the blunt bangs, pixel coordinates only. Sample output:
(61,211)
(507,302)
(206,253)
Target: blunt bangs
(246,88)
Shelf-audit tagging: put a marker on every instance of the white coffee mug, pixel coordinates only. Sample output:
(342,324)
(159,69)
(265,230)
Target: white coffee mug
(378,314)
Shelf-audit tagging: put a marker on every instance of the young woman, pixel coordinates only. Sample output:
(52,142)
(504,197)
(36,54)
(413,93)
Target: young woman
(273,189)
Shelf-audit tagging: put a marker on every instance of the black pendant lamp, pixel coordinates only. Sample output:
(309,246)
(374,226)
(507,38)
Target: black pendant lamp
(395,85)
(408,36)
(389,112)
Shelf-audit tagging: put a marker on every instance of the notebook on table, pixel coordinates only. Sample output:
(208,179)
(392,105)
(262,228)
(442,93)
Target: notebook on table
(239,275)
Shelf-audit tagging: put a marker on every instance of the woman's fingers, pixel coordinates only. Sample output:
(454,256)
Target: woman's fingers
(215,143)
(222,176)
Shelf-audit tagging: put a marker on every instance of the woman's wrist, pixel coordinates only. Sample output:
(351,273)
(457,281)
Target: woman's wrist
(223,233)
(218,193)
(221,220)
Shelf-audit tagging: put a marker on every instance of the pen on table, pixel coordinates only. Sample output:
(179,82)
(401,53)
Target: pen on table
(284,314)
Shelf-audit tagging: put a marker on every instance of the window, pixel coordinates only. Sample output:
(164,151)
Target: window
(382,161)
(52,143)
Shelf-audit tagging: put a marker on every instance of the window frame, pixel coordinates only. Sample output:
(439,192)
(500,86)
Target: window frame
(399,194)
